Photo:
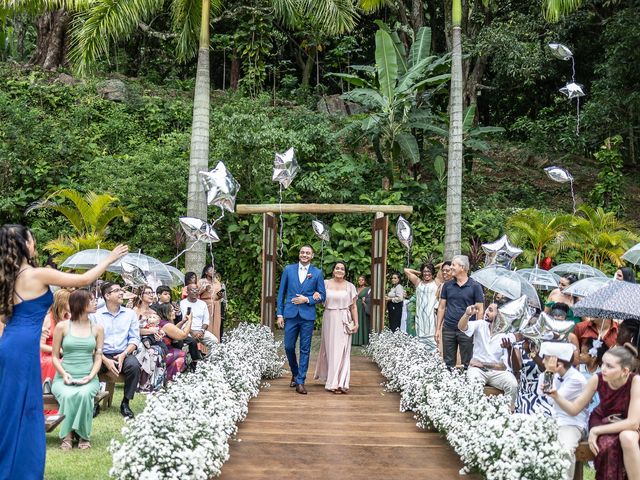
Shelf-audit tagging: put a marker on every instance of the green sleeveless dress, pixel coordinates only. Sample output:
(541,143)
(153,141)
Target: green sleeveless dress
(76,401)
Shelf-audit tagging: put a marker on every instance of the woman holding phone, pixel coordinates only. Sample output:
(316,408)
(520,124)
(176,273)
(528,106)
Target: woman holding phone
(212,293)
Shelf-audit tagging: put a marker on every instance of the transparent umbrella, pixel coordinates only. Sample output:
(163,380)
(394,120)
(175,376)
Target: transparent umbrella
(86,259)
(156,272)
(632,255)
(580,270)
(543,279)
(506,282)
(587,286)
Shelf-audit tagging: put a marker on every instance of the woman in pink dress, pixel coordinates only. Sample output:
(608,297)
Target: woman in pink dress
(339,322)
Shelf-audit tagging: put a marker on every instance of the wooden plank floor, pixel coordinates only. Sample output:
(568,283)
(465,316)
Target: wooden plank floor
(362,435)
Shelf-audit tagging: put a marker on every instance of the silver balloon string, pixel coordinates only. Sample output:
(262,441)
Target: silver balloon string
(280,235)
(219,218)
(182,253)
(578,116)
(573,196)
(322,257)
(213,258)
(573,79)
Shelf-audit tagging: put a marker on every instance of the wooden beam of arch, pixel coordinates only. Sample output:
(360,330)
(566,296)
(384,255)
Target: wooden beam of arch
(249,209)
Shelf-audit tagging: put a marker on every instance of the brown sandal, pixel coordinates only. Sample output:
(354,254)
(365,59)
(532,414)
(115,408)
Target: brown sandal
(66,444)
(84,444)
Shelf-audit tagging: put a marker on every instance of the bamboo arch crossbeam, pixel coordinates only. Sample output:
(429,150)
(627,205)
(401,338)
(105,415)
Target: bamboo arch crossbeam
(252,209)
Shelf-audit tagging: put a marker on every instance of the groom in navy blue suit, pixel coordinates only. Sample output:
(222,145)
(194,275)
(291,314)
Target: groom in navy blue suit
(297,311)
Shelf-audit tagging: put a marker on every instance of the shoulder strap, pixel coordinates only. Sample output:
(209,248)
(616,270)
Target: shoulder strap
(14,289)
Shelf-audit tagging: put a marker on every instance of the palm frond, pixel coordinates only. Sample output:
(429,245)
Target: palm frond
(186,15)
(370,6)
(553,10)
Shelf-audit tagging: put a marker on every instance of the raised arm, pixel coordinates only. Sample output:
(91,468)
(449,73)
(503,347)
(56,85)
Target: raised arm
(412,275)
(580,403)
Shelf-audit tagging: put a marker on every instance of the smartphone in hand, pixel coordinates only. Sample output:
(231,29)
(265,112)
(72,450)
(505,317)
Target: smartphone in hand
(188,311)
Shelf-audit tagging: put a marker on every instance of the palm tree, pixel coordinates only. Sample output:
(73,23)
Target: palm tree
(539,233)
(89,215)
(600,236)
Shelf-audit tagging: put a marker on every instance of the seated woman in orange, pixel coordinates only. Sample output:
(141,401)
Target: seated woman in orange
(58,312)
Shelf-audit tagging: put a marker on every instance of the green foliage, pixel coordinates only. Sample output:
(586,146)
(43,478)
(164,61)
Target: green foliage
(609,191)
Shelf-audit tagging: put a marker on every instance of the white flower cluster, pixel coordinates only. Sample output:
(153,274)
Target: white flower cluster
(183,431)
(481,428)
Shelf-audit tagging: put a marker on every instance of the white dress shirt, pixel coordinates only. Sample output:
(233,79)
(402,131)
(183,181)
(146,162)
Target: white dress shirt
(487,348)
(302,272)
(570,387)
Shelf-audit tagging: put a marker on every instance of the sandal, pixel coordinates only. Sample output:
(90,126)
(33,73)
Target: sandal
(84,444)
(66,444)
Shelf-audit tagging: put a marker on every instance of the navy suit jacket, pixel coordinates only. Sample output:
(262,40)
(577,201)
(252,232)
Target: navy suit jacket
(290,286)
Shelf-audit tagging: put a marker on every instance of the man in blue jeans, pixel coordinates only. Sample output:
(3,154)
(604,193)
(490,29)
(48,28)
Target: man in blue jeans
(296,311)
(458,294)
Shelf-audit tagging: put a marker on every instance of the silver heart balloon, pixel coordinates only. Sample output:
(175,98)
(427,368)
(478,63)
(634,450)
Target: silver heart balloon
(572,90)
(558,174)
(404,232)
(516,313)
(285,167)
(199,230)
(320,229)
(221,187)
(500,252)
(133,275)
(560,51)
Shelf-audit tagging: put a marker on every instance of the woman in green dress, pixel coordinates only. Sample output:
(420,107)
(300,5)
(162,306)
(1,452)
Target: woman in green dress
(76,383)
(361,337)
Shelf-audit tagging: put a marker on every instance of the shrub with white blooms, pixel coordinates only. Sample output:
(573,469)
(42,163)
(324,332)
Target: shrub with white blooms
(183,431)
(481,428)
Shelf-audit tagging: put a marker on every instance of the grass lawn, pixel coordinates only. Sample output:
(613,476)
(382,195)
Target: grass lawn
(95,462)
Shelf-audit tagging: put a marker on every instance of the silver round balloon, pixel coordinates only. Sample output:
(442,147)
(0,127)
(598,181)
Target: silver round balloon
(558,174)
(500,252)
(198,230)
(285,167)
(321,230)
(221,187)
(404,232)
(572,90)
(560,51)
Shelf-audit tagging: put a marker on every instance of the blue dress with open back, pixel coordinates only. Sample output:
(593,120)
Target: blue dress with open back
(22,438)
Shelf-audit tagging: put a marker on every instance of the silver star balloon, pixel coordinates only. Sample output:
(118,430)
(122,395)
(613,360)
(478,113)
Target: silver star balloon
(572,90)
(546,328)
(404,232)
(516,313)
(321,230)
(560,51)
(133,275)
(198,230)
(558,174)
(500,252)
(221,187)
(285,167)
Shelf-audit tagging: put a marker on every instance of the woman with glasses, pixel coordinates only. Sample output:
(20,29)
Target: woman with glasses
(152,351)
(426,301)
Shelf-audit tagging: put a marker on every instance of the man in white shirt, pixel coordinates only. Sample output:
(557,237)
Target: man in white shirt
(197,309)
(569,383)
(489,363)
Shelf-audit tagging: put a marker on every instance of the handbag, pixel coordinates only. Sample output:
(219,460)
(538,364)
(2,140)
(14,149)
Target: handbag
(349,325)
(46,386)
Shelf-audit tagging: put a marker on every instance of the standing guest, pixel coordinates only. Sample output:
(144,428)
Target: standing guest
(197,310)
(76,383)
(121,340)
(190,278)
(488,365)
(361,337)
(443,276)
(600,331)
(301,287)
(569,383)
(211,293)
(339,322)
(395,302)
(557,295)
(625,274)
(25,298)
(426,302)
(58,312)
(613,425)
(456,295)
(222,293)
(172,333)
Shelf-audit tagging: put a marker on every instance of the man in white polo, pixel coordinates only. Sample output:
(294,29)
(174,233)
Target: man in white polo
(197,309)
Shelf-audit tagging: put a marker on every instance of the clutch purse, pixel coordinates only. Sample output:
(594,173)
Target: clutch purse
(349,325)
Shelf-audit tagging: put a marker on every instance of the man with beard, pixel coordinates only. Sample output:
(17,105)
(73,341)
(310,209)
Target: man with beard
(489,362)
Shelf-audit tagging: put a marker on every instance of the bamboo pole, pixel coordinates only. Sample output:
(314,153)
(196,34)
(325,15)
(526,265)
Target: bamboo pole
(247,209)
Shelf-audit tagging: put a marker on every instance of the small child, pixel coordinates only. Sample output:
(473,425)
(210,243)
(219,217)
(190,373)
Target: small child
(152,321)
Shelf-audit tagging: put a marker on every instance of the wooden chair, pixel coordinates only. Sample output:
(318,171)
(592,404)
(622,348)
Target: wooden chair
(583,454)
(492,391)
(50,403)
(111,381)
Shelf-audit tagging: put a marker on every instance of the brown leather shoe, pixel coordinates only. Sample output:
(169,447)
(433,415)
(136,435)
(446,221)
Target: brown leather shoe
(293,381)
(300,389)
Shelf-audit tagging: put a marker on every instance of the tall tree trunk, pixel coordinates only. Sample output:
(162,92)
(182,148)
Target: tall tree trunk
(308,70)
(195,258)
(51,45)
(417,15)
(452,234)
(235,72)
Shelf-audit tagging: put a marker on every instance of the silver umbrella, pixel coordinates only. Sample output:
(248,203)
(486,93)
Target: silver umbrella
(619,300)
(86,259)
(543,279)
(506,282)
(580,270)
(632,255)
(586,286)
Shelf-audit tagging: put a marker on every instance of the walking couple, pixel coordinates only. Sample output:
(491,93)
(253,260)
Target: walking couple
(301,289)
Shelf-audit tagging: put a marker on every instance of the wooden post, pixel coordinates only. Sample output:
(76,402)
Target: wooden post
(269,259)
(378,270)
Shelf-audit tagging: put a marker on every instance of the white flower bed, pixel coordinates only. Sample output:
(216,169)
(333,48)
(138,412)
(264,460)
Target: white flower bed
(480,428)
(183,431)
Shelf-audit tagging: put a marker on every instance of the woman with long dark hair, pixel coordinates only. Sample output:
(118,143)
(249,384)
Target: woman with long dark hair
(25,298)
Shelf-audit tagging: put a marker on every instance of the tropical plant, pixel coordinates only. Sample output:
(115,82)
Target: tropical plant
(600,236)
(89,215)
(395,97)
(539,233)
(609,191)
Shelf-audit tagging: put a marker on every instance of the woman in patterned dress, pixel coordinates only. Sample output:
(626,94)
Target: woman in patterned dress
(426,302)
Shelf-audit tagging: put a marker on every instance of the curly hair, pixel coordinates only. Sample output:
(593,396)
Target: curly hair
(13,251)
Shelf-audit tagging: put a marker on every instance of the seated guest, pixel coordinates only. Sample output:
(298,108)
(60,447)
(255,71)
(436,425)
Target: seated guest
(151,355)
(625,274)
(121,339)
(58,312)
(613,425)
(190,278)
(558,295)
(175,358)
(561,311)
(527,366)
(488,363)
(163,293)
(569,383)
(197,309)
(76,383)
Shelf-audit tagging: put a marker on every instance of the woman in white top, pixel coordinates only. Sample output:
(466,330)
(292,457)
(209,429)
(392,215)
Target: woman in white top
(394,299)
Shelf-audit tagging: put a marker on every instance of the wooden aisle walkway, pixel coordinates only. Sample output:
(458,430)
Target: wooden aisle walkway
(321,435)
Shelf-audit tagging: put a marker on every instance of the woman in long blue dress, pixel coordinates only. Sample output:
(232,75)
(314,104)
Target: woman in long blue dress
(24,300)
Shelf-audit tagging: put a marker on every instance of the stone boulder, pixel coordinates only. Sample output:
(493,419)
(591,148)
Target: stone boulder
(114,90)
(334,105)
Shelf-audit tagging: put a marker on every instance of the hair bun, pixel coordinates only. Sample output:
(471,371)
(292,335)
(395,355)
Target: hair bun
(631,348)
